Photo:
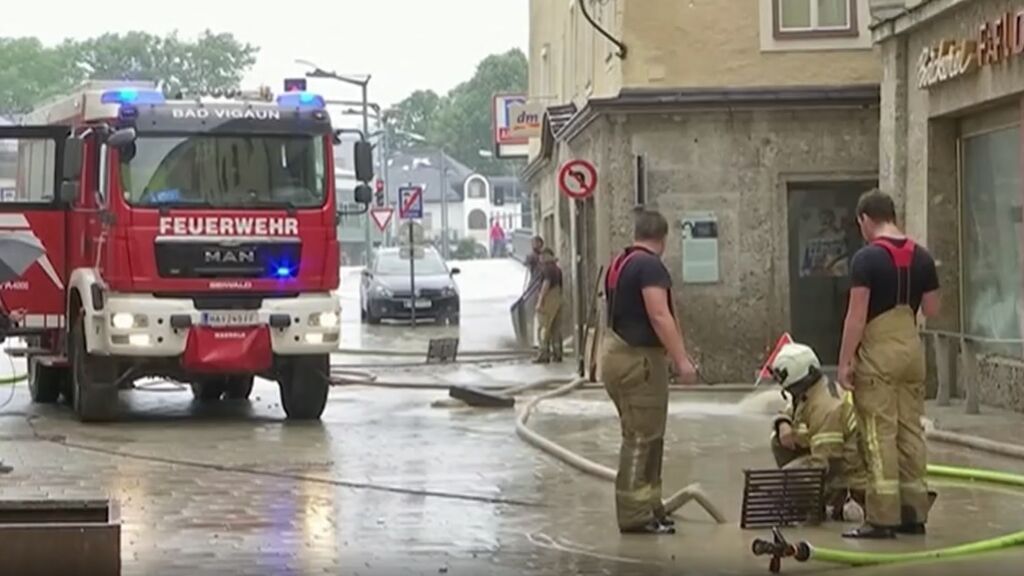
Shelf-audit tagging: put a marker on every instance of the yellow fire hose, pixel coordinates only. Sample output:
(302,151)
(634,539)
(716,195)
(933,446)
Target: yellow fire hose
(805,551)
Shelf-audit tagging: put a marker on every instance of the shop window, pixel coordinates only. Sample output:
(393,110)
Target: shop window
(992,232)
(814,18)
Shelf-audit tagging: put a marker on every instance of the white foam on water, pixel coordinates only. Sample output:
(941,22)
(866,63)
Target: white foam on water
(762,402)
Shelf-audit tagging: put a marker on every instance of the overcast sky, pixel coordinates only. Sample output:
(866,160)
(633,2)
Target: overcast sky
(405,44)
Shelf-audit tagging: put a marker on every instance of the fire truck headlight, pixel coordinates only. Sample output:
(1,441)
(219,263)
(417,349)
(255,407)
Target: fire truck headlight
(314,338)
(140,340)
(326,320)
(127,321)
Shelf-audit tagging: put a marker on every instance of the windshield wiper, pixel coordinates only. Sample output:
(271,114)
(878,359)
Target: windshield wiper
(282,204)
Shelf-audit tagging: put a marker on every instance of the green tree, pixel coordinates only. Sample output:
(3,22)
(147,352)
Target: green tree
(414,115)
(460,122)
(31,72)
(213,61)
(464,123)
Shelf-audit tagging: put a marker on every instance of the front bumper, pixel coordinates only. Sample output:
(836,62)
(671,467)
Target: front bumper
(398,307)
(158,331)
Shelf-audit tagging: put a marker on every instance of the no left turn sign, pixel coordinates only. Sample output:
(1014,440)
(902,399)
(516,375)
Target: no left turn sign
(577,179)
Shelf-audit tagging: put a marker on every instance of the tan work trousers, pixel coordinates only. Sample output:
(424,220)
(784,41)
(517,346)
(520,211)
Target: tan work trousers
(889,398)
(637,382)
(549,319)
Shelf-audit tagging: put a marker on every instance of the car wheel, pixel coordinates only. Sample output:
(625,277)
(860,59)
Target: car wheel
(371,318)
(238,387)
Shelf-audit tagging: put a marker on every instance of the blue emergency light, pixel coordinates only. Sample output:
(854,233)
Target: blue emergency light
(301,100)
(132,96)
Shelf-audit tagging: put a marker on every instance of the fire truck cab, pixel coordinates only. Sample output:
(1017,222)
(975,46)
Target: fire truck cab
(188,238)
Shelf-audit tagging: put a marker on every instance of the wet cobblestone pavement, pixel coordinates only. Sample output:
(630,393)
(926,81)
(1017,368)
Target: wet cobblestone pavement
(389,484)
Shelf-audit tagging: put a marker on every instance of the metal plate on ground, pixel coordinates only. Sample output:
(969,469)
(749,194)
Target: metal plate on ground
(442,350)
(773,498)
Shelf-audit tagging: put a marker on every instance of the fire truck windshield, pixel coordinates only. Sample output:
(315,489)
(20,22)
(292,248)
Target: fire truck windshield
(221,171)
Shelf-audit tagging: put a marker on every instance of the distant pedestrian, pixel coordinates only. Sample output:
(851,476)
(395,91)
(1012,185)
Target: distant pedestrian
(9,320)
(533,258)
(549,309)
(642,330)
(497,239)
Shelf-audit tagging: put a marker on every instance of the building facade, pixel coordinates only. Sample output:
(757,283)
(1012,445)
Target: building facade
(752,125)
(952,101)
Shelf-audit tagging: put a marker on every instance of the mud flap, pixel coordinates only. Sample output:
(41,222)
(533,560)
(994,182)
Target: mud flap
(228,350)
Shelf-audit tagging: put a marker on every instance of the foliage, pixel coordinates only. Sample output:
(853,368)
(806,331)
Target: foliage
(460,122)
(31,72)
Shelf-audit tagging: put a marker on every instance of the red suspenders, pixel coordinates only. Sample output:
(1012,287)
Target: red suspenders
(902,257)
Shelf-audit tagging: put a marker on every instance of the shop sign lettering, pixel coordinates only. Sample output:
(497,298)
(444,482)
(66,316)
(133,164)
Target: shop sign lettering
(998,41)
(945,62)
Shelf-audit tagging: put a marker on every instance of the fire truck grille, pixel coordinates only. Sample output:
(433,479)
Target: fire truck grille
(227,260)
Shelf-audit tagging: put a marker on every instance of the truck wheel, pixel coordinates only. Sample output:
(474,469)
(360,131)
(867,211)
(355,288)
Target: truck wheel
(95,392)
(44,383)
(238,387)
(304,387)
(208,389)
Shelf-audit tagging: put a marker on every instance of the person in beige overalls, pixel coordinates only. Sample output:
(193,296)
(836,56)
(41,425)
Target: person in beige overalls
(642,336)
(549,309)
(882,362)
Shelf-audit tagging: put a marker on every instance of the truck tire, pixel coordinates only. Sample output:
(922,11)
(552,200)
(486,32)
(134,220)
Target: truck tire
(238,387)
(94,387)
(45,383)
(304,386)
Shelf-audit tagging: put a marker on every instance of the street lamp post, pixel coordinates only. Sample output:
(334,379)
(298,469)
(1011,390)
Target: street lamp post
(363,84)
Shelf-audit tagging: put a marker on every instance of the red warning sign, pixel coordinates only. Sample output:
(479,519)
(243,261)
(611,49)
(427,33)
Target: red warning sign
(577,179)
(382,217)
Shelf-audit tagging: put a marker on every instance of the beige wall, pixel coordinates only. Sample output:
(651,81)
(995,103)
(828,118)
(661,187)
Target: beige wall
(696,43)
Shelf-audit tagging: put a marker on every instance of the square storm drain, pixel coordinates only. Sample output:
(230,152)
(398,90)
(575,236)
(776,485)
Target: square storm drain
(442,350)
(774,498)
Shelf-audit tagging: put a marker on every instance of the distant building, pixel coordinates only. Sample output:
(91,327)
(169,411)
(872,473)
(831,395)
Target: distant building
(473,200)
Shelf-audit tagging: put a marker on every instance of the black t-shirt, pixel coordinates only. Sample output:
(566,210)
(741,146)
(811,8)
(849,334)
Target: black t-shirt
(873,268)
(628,314)
(552,274)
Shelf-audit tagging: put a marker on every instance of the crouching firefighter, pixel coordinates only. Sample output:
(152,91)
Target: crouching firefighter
(819,427)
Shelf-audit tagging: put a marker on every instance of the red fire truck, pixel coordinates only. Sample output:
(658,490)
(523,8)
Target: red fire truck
(191,238)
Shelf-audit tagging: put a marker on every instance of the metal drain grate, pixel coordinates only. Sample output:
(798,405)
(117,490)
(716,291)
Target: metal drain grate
(773,498)
(442,350)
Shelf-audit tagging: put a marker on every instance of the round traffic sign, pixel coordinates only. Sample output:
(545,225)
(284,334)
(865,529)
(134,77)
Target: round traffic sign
(577,179)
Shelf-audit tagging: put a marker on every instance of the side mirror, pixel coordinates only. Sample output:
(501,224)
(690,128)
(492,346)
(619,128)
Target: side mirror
(72,169)
(363,194)
(456,272)
(122,138)
(364,161)
(68,191)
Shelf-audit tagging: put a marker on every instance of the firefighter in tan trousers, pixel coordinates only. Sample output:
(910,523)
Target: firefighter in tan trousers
(642,337)
(882,362)
(818,428)
(549,309)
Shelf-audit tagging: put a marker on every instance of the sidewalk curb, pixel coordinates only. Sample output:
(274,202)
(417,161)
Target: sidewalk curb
(975,442)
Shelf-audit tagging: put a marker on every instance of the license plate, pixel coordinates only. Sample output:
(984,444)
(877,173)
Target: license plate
(419,304)
(247,318)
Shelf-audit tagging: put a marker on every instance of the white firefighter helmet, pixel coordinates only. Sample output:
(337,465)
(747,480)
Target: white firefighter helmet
(793,363)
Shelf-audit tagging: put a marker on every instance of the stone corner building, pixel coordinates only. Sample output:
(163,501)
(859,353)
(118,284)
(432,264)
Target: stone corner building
(758,121)
(952,102)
